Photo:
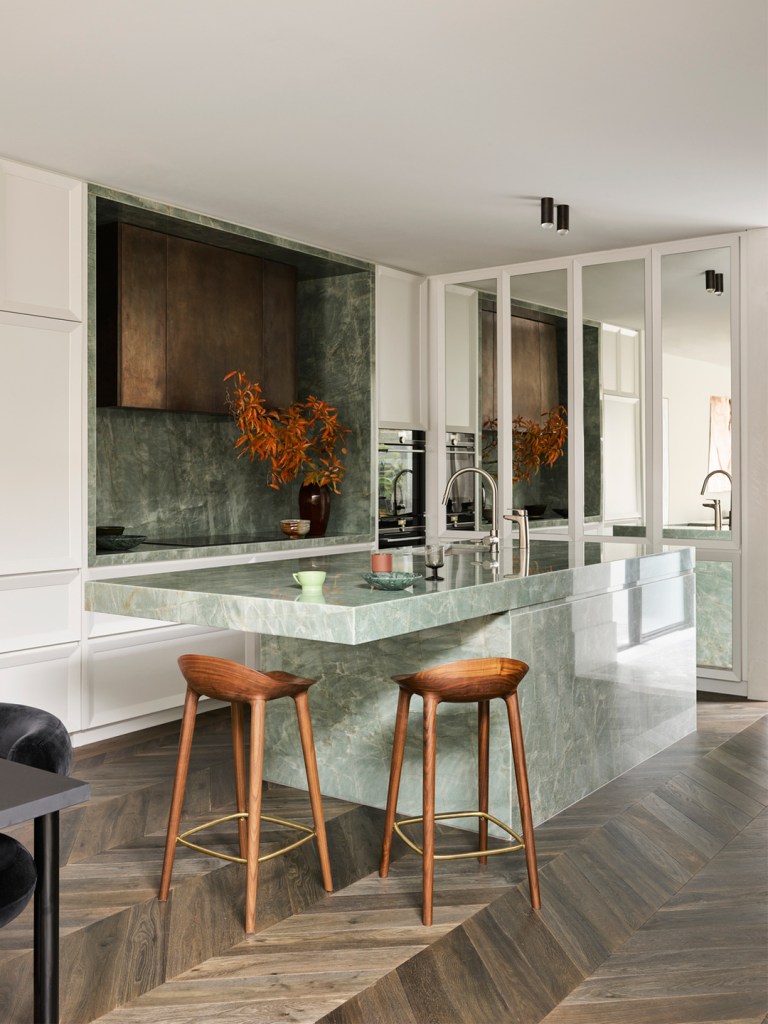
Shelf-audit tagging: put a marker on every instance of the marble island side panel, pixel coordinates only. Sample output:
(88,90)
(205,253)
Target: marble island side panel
(610,684)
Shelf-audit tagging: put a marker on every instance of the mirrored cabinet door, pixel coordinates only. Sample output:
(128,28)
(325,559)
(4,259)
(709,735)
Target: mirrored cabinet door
(613,310)
(470,403)
(696,296)
(538,343)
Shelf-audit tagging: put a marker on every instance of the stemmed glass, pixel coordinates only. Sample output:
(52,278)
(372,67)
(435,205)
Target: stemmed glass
(434,559)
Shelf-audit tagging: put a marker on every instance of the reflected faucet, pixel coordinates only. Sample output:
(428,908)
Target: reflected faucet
(493,537)
(715,503)
(520,516)
(714,472)
(394,489)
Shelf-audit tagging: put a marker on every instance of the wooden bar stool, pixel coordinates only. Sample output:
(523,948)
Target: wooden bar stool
(226,680)
(460,682)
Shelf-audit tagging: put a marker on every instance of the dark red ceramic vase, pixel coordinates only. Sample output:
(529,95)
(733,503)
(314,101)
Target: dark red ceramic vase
(315,505)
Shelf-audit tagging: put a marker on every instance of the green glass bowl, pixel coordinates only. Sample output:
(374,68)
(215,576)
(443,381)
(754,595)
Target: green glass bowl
(391,580)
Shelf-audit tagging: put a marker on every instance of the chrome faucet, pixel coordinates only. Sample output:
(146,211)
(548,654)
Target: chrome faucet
(394,489)
(715,506)
(493,537)
(714,472)
(520,516)
(715,503)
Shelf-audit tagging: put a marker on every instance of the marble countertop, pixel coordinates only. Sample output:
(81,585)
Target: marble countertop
(263,598)
(691,531)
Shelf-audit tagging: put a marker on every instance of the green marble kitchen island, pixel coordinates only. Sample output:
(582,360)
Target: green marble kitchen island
(608,632)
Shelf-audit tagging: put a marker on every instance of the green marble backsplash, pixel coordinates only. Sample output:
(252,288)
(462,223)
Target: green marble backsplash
(168,474)
(335,327)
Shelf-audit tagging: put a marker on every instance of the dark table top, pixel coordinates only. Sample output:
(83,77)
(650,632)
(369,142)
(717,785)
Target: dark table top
(27,793)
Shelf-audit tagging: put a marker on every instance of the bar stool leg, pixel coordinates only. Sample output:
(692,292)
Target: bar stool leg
(238,747)
(430,745)
(483,723)
(521,778)
(313,782)
(179,785)
(398,750)
(258,708)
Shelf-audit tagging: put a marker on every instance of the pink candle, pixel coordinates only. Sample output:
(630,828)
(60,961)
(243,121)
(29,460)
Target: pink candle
(381,561)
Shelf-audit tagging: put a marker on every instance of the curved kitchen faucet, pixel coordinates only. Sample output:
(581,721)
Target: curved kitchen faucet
(715,503)
(494,534)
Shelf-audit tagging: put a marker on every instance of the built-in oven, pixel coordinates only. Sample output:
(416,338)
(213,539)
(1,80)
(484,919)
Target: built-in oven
(461,503)
(401,488)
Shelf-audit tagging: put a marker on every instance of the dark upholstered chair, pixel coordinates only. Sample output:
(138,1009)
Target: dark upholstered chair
(34,737)
(17,878)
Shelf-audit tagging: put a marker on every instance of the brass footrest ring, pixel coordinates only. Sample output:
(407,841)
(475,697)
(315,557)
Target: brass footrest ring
(472,853)
(182,837)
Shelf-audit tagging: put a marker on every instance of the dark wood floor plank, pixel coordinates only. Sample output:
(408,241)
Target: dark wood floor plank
(519,983)
(713,814)
(679,982)
(524,929)
(706,775)
(700,1009)
(439,994)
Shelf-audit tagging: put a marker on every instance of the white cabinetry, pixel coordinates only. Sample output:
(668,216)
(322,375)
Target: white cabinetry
(461,373)
(42,346)
(41,242)
(45,677)
(39,610)
(130,676)
(401,361)
(40,457)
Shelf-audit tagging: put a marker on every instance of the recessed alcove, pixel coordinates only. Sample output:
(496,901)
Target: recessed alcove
(174,476)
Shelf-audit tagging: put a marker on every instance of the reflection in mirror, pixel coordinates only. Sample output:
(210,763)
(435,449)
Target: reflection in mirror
(470,400)
(696,385)
(539,348)
(613,297)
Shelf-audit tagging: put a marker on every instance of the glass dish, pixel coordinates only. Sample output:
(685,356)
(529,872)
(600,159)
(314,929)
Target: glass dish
(391,580)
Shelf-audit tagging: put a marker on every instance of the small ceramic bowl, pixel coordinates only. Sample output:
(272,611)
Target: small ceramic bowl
(109,531)
(295,527)
(391,580)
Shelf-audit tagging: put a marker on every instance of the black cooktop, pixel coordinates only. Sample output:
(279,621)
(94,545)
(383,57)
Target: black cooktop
(208,540)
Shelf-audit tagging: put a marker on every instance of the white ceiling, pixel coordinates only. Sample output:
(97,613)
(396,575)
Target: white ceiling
(416,133)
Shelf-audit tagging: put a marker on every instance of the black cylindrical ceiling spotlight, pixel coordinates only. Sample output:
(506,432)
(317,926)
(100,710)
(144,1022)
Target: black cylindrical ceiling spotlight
(718,284)
(547,212)
(709,280)
(563,219)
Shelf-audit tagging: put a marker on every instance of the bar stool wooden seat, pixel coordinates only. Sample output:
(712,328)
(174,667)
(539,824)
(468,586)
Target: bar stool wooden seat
(229,681)
(473,681)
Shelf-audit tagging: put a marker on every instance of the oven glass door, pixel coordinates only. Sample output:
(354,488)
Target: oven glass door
(401,488)
(460,507)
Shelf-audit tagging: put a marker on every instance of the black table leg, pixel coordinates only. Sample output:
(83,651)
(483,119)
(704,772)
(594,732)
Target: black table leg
(46,983)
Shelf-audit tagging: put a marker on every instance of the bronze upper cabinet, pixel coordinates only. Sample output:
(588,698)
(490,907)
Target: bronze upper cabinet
(279,351)
(534,368)
(174,316)
(214,322)
(130,317)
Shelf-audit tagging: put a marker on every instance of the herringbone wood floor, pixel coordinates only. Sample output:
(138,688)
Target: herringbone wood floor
(654,912)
